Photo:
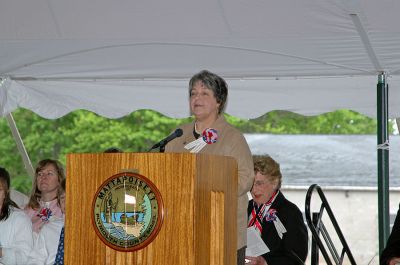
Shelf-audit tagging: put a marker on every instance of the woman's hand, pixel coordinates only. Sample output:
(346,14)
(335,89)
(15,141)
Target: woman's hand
(256,260)
(394,261)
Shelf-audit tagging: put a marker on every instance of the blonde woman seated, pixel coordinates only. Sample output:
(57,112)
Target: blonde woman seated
(43,203)
(47,240)
(16,240)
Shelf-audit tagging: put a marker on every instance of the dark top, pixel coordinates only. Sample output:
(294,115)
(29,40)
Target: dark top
(392,248)
(293,247)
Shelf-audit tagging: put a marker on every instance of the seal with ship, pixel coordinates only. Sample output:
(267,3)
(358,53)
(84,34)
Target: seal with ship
(127,211)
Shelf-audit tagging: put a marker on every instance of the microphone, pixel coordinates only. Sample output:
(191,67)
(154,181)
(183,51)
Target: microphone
(177,133)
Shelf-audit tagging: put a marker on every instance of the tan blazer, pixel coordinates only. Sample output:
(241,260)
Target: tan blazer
(231,143)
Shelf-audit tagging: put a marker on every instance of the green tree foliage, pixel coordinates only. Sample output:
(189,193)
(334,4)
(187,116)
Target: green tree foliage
(78,132)
(11,160)
(85,132)
(285,122)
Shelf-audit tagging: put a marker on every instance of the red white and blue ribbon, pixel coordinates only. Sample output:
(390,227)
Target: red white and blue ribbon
(270,216)
(259,212)
(44,214)
(265,213)
(209,136)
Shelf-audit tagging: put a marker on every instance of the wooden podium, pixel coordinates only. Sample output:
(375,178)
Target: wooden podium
(199,194)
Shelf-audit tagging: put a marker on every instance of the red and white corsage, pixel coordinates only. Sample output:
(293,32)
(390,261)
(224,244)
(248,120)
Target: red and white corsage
(271,216)
(209,136)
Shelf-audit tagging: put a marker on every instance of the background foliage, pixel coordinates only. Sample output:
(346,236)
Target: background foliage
(83,131)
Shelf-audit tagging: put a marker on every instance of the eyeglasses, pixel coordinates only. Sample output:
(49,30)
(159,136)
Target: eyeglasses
(258,183)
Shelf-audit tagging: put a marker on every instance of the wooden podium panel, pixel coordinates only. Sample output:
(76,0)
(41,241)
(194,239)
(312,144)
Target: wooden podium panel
(199,193)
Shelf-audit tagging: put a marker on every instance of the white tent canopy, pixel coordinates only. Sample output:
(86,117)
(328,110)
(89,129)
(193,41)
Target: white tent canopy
(114,57)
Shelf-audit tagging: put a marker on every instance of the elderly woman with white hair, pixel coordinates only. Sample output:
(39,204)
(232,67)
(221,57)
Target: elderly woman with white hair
(278,221)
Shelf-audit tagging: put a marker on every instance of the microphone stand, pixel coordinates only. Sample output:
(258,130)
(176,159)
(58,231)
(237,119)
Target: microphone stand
(178,133)
(162,148)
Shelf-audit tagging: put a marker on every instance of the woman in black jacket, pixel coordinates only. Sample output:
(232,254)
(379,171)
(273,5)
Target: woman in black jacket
(278,221)
(391,254)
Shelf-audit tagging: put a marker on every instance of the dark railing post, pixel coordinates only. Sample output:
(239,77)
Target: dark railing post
(383,161)
(314,245)
(317,227)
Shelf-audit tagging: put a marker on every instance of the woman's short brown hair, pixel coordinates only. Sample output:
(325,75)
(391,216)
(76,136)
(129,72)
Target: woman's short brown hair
(265,165)
(213,82)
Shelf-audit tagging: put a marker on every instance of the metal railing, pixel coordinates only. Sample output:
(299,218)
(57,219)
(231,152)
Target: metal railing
(318,229)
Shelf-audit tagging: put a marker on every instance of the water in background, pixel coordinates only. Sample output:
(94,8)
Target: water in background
(328,160)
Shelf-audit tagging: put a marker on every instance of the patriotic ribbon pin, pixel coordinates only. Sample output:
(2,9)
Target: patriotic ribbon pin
(210,135)
(44,214)
(270,216)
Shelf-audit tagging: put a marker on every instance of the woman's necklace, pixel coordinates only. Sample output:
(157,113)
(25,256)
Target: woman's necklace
(195,133)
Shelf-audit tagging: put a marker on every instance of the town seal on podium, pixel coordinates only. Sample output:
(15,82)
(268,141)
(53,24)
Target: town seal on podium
(127,211)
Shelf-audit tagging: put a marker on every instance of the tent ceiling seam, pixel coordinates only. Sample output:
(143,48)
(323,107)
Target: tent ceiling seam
(224,18)
(54,17)
(366,41)
(152,78)
(308,59)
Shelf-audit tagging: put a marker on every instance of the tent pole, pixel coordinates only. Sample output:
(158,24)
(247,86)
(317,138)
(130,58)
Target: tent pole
(383,160)
(20,145)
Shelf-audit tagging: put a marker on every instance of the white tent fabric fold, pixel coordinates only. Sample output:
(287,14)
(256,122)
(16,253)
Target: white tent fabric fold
(247,99)
(113,58)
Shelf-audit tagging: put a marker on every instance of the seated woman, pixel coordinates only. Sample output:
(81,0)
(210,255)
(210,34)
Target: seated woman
(278,221)
(16,240)
(43,203)
(391,253)
(47,242)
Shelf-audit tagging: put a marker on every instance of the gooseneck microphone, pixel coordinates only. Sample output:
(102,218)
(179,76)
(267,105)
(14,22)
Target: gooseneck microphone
(177,133)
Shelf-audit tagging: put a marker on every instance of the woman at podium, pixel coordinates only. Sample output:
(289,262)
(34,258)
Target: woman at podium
(210,133)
